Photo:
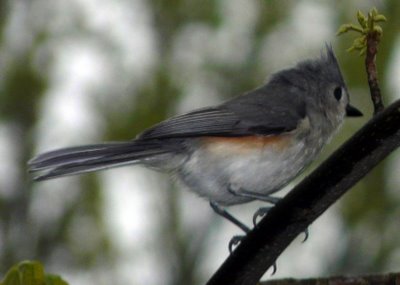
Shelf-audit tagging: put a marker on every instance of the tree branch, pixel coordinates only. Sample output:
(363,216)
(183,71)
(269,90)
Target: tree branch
(310,198)
(381,279)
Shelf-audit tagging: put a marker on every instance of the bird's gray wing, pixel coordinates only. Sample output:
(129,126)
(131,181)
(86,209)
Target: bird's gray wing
(256,113)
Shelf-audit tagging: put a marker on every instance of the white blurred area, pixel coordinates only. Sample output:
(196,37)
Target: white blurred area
(78,68)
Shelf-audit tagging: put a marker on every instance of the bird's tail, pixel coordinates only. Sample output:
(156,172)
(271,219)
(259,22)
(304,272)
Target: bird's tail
(88,158)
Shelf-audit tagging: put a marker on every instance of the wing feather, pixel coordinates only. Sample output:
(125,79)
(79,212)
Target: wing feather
(256,113)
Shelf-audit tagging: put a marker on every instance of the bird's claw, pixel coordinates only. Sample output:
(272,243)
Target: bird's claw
(235,240)
(261,212)
(274,268)
(306,235)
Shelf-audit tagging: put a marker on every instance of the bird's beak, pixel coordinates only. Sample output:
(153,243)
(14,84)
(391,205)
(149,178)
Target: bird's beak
(352,111)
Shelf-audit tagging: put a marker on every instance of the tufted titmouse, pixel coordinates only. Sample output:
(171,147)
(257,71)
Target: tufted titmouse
(242,150)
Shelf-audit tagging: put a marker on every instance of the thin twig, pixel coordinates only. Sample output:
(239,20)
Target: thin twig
(372,73)
(370,33)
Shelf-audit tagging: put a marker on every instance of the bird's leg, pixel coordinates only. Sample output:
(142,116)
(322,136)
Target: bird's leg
(256,196)
(224,213)
(253,195)
(261,197)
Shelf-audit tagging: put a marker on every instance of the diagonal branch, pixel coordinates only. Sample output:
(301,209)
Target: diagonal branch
(310,198)
(378,279)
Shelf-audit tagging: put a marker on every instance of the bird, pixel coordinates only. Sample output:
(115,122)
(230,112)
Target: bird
(241,150)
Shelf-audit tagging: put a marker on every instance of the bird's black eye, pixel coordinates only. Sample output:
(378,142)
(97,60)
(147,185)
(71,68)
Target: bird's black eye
(337,93)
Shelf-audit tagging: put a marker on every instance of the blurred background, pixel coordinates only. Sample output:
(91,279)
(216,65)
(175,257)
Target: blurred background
(85,71)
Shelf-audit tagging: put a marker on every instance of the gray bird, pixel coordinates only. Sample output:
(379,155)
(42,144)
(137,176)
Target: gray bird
(242,150)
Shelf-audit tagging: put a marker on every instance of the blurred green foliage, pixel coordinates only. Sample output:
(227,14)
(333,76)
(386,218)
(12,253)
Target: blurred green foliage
(30,273)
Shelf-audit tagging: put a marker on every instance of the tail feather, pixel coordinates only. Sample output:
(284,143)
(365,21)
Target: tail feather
(82,159)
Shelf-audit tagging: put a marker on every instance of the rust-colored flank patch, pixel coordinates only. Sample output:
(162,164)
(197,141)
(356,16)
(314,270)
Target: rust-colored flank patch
(246,143)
